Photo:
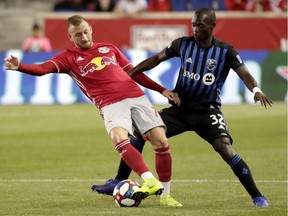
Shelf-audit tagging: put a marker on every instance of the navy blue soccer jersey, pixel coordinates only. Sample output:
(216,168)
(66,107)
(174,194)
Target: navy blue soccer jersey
(203,71)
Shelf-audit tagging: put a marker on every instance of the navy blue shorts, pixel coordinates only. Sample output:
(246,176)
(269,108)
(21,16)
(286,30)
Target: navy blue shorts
(206,120)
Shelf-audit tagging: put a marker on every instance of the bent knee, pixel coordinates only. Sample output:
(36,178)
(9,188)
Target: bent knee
(159,142)
(118,135)
(223,145)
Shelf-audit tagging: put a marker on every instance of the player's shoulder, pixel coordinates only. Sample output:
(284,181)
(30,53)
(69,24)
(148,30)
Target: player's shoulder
(221,43)
(186,38)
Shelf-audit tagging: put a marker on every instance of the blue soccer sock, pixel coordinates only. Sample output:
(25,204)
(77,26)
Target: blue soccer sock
(242,171)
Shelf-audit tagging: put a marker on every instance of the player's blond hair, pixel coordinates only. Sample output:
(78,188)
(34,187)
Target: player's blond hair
(76,20)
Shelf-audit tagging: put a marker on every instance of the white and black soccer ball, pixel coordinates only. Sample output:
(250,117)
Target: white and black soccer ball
(123,191)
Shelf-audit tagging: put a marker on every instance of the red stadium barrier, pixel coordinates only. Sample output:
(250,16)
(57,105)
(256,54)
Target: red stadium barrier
(153,31)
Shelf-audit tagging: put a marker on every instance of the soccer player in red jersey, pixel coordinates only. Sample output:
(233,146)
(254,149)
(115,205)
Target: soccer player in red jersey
(100,70)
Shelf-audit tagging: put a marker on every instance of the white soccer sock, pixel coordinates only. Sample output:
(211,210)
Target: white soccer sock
(166,186)
(146,175)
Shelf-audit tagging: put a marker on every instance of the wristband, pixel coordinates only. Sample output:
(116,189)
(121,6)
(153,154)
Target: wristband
(256,89)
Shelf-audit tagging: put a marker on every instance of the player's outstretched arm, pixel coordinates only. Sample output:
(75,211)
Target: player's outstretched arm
(12,63)
(252,85)
(149,63)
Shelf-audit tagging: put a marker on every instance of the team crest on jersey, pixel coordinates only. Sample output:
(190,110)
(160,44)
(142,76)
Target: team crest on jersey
(103,50)
(211,64)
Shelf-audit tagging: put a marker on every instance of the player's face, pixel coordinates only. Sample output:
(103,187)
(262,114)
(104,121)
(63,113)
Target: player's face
(202,28)
(81,35)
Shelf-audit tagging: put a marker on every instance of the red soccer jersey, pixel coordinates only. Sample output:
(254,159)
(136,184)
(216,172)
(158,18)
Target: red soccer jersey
(99,72)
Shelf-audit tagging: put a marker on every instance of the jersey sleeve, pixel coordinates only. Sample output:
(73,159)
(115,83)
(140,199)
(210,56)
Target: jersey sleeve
(61,61)
(38,69)
(145,81)
(173,49)
(122,59)
(234,59)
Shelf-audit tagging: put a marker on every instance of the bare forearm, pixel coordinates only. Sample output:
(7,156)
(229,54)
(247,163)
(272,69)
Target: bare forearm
(247,78)
(149,63)
(144,66)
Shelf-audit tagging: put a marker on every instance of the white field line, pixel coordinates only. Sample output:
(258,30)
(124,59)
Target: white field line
(104,180)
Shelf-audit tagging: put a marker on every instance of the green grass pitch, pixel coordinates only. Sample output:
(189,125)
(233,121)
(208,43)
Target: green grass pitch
(51,155)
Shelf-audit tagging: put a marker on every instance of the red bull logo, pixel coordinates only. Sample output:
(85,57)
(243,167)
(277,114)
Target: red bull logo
(97,64)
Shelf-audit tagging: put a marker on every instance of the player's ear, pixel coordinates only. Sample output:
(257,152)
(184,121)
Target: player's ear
(213,25)
(69,36)
(91,28)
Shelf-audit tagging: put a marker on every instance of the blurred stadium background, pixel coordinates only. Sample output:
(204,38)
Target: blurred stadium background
(259,36)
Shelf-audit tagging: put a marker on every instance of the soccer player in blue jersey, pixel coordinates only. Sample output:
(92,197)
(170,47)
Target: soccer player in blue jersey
(205,64)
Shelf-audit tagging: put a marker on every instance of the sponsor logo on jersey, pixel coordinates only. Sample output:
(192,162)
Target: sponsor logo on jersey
(97,64)
(208,79)
(193,76)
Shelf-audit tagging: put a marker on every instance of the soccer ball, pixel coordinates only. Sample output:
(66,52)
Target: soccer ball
(123,191)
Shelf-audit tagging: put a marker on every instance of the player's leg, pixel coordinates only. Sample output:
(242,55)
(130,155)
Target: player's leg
(150,124)
(223,146)
(175,125)
(136,162)
(213,128)
(123,171)
(138,142)
(163,163)
(118,123)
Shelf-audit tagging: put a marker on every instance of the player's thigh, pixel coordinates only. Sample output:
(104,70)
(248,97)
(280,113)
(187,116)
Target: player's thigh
(117,115)
(174,121)
(144,115)
(211,125)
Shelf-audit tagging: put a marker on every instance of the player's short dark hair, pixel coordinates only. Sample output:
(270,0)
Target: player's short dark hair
(75,20)
(210,13)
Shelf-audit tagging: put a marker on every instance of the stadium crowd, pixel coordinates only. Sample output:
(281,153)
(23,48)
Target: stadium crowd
(169,5)
(147,5)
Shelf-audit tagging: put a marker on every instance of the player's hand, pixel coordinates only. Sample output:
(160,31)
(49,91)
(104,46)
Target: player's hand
(172,96)
(11,63)
(264,100)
